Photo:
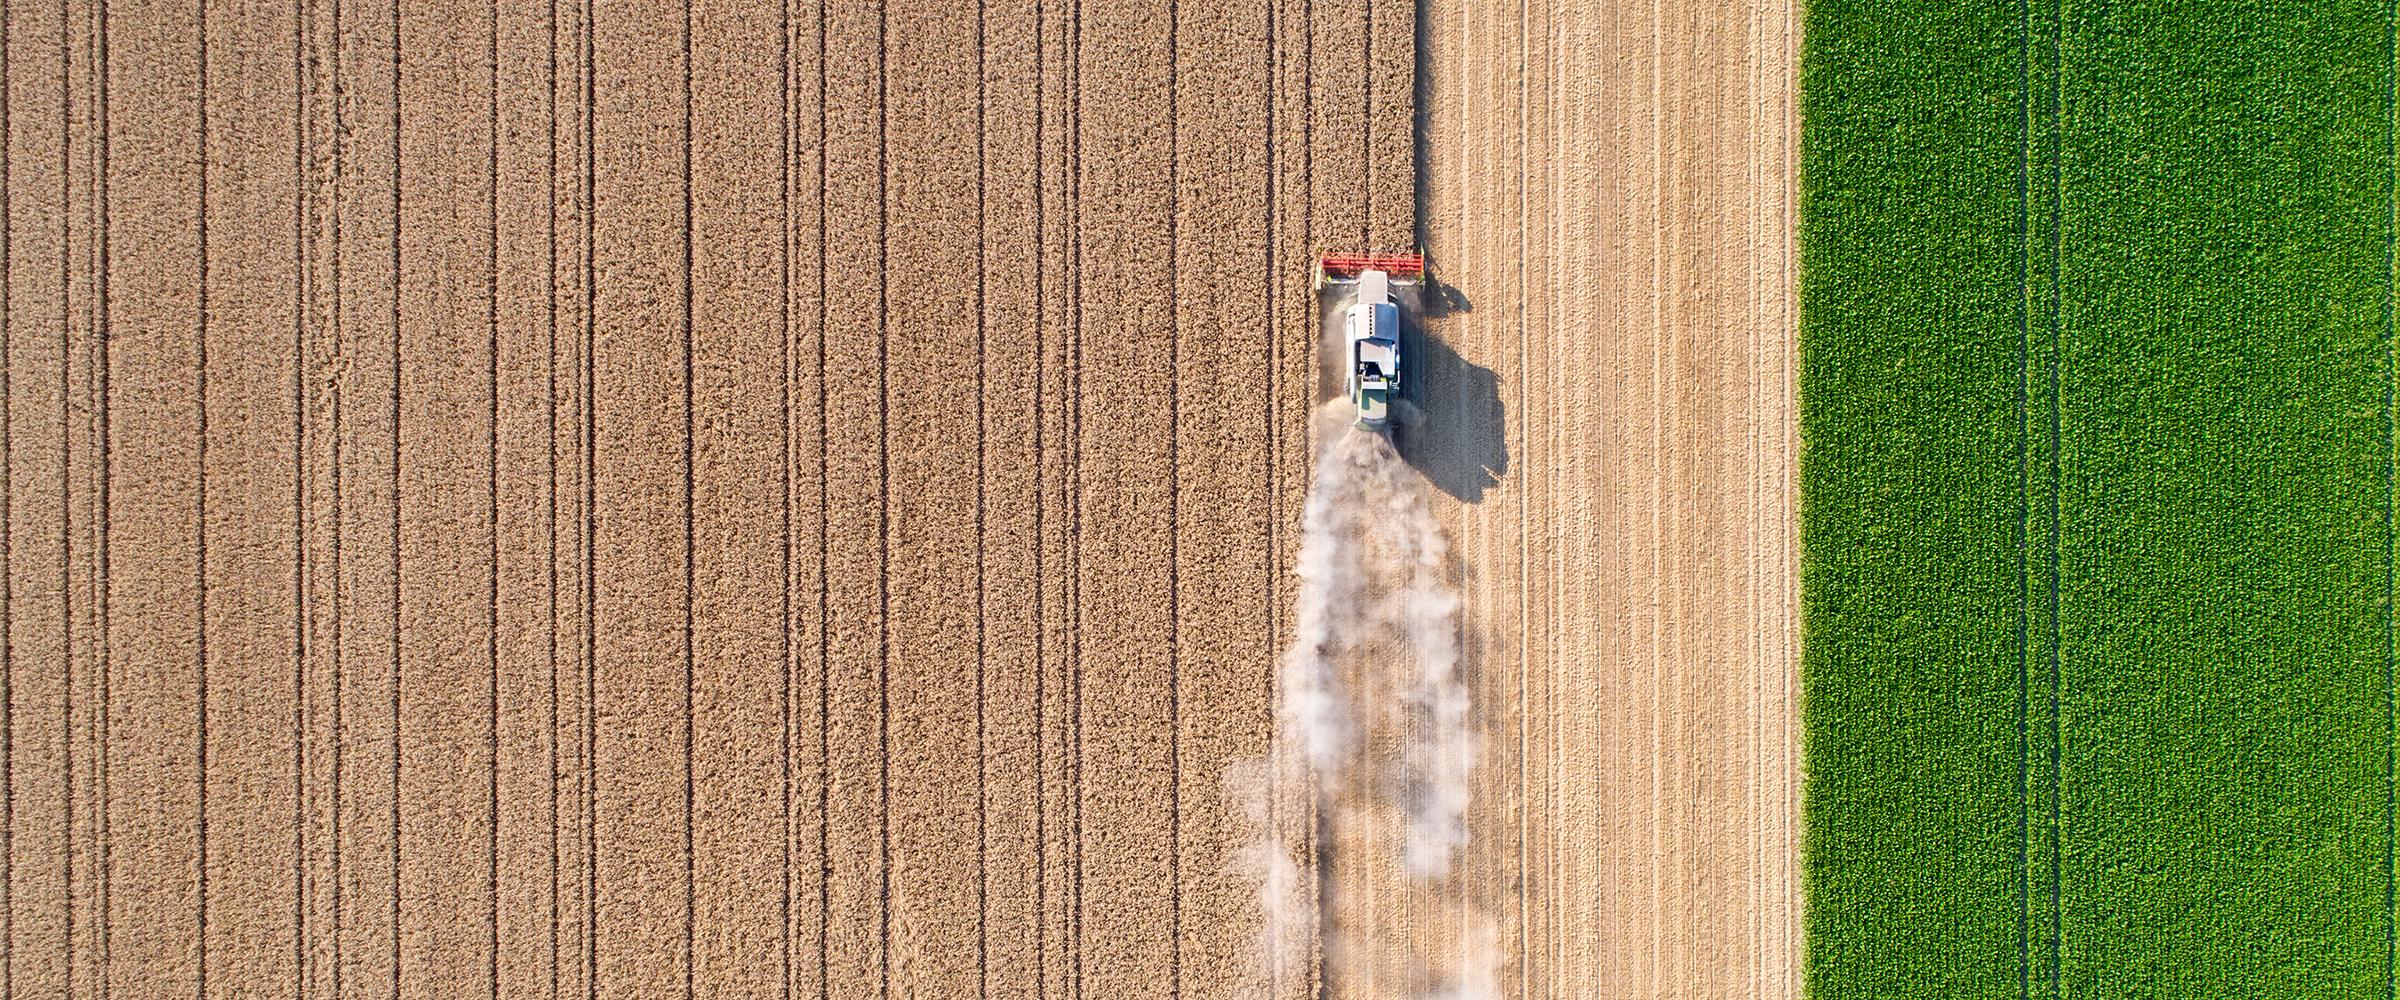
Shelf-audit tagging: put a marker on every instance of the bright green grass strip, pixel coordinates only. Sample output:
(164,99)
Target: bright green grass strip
(2226,241)
(1911,375)
(2211,184)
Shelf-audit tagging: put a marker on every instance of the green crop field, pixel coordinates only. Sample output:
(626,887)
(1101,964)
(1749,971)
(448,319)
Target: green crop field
(2098,418)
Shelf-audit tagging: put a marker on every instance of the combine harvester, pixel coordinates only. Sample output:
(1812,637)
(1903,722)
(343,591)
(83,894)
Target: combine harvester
(1361,292)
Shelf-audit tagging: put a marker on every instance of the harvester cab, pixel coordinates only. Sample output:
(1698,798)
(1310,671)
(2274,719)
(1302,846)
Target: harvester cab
(1369,325)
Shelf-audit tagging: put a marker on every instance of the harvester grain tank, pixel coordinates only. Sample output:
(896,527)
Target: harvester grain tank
(1369,325)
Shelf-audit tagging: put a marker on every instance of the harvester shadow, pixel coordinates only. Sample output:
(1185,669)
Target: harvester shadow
(1457,436)
(1436,299)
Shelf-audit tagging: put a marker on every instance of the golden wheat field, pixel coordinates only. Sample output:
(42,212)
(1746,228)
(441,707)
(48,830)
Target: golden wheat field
(605,500)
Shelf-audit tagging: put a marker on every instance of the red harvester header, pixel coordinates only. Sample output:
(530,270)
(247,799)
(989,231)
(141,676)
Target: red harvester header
(1399,265)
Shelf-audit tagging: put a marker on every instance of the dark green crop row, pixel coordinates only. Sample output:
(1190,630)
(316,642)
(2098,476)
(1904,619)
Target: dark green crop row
(2097,499)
